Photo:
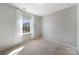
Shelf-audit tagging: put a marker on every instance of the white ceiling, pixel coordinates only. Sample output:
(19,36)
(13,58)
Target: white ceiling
(41,9)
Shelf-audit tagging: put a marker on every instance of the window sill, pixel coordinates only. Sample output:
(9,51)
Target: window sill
(26,33)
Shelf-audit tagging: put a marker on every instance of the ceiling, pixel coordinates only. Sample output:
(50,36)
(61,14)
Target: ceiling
(41,9)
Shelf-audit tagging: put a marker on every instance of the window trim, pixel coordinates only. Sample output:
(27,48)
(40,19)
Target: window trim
(22,26)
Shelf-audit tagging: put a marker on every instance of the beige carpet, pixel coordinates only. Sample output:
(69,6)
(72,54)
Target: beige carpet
(46,47)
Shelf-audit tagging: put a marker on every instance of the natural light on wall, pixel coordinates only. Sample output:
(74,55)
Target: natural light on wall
(18,26)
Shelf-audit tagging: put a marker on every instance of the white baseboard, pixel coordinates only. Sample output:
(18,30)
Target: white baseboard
(62,44)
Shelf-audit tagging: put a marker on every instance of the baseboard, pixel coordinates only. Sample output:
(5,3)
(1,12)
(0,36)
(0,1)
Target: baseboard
(62,44)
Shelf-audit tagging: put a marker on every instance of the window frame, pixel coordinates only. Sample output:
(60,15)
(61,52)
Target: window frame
(29,25)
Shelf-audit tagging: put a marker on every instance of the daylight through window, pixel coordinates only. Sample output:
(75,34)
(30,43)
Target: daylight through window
(26,24)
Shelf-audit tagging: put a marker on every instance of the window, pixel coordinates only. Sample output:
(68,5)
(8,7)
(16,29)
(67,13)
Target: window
(25,24)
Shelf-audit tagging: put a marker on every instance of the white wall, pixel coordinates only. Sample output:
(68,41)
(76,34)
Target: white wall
(7,26)
(78,27)
(10,26)
(61,26)
(36,27)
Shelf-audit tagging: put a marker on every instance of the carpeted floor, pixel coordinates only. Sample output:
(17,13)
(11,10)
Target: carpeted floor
(46,47)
